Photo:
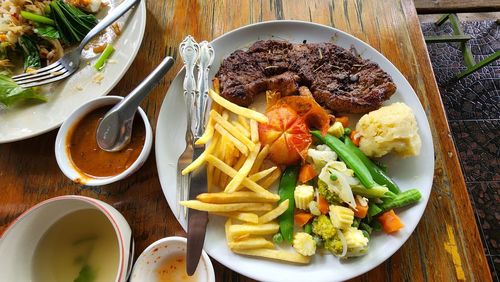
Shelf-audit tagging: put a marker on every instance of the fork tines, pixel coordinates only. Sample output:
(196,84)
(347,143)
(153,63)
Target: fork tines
(48,74)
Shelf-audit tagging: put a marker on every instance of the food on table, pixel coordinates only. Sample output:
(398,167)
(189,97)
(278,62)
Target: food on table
(34,34)
(338,78)
(89,159)
(81,246)
(331,195)
(392,128)
(287,135)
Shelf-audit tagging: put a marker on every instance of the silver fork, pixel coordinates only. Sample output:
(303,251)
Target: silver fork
(189,50)
(69,63)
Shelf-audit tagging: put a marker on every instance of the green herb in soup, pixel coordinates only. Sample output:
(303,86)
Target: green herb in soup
(80,247)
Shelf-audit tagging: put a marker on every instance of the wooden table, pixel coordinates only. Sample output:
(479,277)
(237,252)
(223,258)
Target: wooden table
(446,244)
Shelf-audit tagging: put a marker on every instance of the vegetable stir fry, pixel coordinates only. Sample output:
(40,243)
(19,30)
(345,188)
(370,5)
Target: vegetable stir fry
(34,33)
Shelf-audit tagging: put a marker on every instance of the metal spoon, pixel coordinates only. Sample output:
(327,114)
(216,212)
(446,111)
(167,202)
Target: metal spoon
(115,129)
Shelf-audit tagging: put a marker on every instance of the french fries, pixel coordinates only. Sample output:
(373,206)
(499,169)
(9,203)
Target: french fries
(237,197)
(275,254)
(251,243)
(237,230)
(236,164)
(253,115)
(244,170)
(244,207)
(242,216)
(274,213)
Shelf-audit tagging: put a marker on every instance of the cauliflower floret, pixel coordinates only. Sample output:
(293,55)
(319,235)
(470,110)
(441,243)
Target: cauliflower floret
(304,244)
(337,129)
(357,243)
(341,217)
(323,227)
(320,156)
(303,195)
(390,128)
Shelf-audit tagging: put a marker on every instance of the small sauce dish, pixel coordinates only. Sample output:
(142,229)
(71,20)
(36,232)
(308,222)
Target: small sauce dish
(67,238)
(165,260)
(80,158)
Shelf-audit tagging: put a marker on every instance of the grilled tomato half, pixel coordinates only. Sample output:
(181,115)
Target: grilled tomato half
(286,133)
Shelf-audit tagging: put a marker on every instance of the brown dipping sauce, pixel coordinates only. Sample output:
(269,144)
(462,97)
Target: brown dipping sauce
(91,160)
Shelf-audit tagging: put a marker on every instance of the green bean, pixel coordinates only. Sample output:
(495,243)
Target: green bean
(364,226)
(373,209)
(402,199)
(351,160)
(347,131)
(375,192)
(37,18)
(285,191)
(376,172)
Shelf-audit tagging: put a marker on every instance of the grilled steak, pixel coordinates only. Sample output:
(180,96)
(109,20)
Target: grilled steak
(337,78)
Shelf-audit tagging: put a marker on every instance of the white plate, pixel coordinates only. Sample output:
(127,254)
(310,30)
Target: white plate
(28,120)
(414,172)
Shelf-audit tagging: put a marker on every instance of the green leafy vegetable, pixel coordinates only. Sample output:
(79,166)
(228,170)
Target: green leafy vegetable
(72,23)
(11,93)
(47,32)
(86,274)
(30,51)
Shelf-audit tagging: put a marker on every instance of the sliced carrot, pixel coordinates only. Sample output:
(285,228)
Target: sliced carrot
(390,222)
(302,218)
(344,120)
(355,137)
(360,210)
(323,205)
(306,173)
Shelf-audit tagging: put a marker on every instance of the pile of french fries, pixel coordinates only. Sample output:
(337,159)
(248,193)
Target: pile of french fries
(238,181)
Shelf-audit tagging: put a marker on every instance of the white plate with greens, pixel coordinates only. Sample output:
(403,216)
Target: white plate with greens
(414,172)
(27,119)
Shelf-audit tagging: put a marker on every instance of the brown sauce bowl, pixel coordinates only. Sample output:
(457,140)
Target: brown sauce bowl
(70,125)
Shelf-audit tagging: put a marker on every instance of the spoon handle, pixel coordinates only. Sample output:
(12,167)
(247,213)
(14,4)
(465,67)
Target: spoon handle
(132,101)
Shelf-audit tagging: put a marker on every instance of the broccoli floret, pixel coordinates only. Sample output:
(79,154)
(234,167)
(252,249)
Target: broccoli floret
(334,245)
(328,194)
(323,227)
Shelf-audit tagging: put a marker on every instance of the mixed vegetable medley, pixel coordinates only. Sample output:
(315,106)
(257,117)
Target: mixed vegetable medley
(337,195)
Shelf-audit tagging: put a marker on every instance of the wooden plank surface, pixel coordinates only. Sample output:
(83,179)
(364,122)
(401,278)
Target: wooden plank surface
(456,6)
(445,246)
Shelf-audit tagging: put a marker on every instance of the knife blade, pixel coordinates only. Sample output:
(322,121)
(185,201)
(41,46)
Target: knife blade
(197,220)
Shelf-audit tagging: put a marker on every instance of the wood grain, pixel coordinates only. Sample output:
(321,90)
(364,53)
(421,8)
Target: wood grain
(29,173)
(456,6)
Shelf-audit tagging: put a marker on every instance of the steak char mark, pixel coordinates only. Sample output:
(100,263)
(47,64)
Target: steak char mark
(337,78)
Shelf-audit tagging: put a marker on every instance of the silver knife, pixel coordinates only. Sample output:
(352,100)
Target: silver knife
(197,220)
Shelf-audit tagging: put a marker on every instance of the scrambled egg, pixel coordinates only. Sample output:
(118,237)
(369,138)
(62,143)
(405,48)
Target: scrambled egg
(390,128)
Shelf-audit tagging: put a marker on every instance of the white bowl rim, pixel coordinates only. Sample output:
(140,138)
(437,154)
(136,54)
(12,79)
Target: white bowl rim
(97,204)
(75,117)
(183,240)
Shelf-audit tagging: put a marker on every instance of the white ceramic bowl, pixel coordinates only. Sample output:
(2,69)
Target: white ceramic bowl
(146,266)
(64,160)
(18,243)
